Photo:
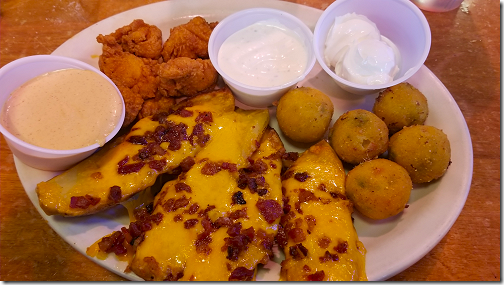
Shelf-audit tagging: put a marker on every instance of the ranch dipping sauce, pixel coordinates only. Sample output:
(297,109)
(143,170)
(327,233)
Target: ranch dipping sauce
(63,109)
(264,54)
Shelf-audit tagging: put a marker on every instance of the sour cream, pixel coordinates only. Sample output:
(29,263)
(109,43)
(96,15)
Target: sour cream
(264,54)
(359,53)
(64,109)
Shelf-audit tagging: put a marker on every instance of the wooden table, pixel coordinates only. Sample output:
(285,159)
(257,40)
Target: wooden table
(465,56)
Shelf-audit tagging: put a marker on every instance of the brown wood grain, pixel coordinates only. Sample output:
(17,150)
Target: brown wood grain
(465,56)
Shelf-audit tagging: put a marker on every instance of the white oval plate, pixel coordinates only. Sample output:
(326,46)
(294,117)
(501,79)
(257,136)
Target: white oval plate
(392,245)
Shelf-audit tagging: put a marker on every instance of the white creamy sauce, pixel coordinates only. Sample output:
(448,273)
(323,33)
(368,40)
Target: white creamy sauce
(264,54)
(64,109)
(359,53)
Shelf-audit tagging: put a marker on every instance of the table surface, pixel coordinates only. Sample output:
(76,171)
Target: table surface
(465,56)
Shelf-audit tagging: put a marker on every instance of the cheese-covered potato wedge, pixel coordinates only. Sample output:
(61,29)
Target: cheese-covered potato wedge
(317,234)
(155,145)
(220,218)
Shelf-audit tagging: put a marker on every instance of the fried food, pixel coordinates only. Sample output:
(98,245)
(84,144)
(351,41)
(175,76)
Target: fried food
(379,188)
(183,76)
(131,58)
(304,114)
(401,105)
(359,135)
(137,38)
(424,151)
(189,40)
(213,227)
(317,234)
(155,145)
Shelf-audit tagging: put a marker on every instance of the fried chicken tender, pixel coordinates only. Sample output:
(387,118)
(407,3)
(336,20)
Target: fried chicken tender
(189,40)
(183,76)
(131,58)
(138,38)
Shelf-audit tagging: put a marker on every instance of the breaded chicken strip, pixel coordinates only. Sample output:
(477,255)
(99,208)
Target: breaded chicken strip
(138,38)
(189,40)
(184,76)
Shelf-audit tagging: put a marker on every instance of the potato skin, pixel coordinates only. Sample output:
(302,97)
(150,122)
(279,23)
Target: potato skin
(424,151)
(401,105)
(379,188)
(304,114)
(359,135)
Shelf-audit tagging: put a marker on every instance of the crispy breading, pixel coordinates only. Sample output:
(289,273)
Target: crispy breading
(183,76)
(188,40)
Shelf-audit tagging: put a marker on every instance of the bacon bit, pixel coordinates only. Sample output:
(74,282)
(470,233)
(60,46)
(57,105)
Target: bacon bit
(269,209)
(83,202)
(231,167)
(175,135)
(296,249)
(204,213)
(336,195)
(199,133)
(123,161)
(130,168)
(311,221)
(237,241)
(287,217)
(322,187)
(291,156)
(305,195)
(178,218)
(96,175)
(301,177)
(193,209)
(306,268)
(160,117)
(262,192)
(115,194)
(180,186)
(297,235)
(324,242)
(242,181)
(328,257)
(341,247)
(137,140)
(171,277)
(204,117)
(239,214)
(222,222)
(152,264)
(113,243)
(185,113)
(259,167)
(406,206)
(190,223)
(317,276)
(281,237)
(203,239)
(210,168)
(238,198)
(172,204)
(288,174)
(187,163)
(241,274)
(157,165)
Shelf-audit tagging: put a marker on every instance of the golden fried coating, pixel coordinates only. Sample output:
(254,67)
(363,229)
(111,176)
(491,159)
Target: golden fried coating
(138,38)
(401,106)
(136,77)
(424,151)
(379,188)
(183,76)
(189,40)
(156,106)
(359,135)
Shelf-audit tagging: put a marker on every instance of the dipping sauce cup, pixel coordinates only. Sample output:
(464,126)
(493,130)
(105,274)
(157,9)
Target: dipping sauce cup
(16,73)
(258,93)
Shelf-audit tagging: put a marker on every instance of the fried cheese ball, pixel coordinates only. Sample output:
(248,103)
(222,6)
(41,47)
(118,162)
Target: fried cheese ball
(359,135)
(424,151)
(379,188)
(304,114)
(401,105)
